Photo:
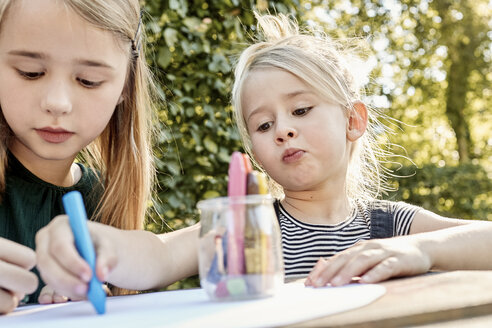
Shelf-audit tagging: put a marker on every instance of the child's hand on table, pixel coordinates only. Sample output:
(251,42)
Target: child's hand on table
(373,261)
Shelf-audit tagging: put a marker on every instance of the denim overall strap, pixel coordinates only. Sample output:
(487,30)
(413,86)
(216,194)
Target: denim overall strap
(276,206)
(382,221)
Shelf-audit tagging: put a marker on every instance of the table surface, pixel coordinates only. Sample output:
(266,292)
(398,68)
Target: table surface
(436,299)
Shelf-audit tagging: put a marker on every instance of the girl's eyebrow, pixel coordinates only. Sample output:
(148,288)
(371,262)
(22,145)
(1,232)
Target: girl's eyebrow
(253,113)
(297,93)
(288,95)
(93,63)
(24,53)
(79,61)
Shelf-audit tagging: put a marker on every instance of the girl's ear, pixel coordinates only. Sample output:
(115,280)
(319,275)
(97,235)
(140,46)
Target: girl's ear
(120,100)
(357,122)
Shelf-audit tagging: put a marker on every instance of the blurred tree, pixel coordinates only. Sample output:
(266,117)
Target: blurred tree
(433,61)
(463,191)
(460,29)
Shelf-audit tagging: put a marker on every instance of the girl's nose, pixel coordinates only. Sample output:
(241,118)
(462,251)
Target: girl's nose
(56,100)
(284,134)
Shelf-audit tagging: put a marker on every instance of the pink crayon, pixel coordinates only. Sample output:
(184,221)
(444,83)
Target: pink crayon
(238,172)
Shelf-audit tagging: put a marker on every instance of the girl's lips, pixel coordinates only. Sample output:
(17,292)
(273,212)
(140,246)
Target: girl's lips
(292,155)
(54,135)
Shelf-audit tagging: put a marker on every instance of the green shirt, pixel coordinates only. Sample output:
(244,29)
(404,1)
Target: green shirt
(30,203)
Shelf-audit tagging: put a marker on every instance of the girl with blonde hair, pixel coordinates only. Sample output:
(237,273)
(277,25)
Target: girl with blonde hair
(299,109)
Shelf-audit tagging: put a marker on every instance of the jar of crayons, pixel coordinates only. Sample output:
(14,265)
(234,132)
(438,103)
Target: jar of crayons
(240,254)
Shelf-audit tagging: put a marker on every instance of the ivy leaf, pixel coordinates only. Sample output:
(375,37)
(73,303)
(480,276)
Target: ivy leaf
(180,6)
(170,36)
(210,145)
(164,58)
(192,23)
(211,194)
(203,161)
(174,201)
(173,168)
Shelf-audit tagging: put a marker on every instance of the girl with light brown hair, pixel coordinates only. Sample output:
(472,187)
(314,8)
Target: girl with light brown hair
(76,114)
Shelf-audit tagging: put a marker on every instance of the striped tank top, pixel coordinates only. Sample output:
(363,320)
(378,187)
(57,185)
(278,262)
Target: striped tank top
(303,243)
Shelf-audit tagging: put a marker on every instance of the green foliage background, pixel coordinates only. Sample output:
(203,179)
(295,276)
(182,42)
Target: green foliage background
(192,48)
(193,45)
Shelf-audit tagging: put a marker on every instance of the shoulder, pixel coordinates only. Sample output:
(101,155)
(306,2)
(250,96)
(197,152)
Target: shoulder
(390,218)
(89,177)
(390,207)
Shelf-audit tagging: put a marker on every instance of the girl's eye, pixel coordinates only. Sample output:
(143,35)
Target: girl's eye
(30,75)
(264,127)
(88,84)
(302,111)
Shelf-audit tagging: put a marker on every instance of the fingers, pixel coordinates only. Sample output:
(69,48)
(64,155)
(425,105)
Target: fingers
(354,262)
(333,270)
(8,301)
(313,278)
(49,296)
(46,295)
(358,264)
(384,270)
(372,261)
(62,281)
(55,242)
(16,279)
(59,263)
(17,254)
(106,259)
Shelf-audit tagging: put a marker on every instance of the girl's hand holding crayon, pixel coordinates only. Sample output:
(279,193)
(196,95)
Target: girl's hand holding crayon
(61,266)
(130,259)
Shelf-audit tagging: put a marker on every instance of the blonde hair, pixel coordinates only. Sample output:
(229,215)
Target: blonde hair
(325,65)
(122,154)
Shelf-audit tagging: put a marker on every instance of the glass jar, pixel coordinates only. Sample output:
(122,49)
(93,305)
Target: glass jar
(240,252)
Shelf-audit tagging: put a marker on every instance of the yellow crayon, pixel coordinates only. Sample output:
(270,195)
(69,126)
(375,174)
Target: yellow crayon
(257,240)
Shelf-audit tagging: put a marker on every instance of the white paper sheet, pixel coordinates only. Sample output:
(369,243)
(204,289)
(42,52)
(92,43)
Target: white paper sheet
(191,308)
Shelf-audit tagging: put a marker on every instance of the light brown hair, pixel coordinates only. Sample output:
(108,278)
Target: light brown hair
(122,154)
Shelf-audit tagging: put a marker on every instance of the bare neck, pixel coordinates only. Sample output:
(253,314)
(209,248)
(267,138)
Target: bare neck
(63,173)
(317,207)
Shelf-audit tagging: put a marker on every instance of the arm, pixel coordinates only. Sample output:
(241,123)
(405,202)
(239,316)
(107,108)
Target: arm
(131,259)
(15,278)
(435,243)
(453,244)
(154,261)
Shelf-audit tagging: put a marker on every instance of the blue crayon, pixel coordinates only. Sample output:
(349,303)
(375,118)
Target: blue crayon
(74,207)
(217,268)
